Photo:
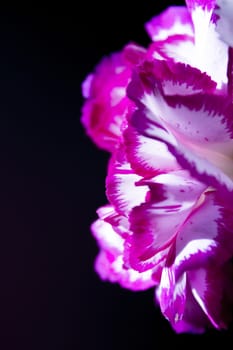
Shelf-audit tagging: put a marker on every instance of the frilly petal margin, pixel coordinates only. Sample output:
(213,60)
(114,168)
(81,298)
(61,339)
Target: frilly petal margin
(109,263)
(210,54)
(205,5)
(148,157)
(156,223)
(121,184)
(106,103)
(206,238)
(172,21)
(182,122)
(199,270)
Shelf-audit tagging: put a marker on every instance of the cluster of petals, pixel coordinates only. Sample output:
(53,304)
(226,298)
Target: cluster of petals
(165,115)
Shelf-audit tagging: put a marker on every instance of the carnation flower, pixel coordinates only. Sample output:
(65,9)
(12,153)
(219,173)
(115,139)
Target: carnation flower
(165,115)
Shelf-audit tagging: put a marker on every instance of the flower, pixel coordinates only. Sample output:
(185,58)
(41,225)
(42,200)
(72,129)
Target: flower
(165,115)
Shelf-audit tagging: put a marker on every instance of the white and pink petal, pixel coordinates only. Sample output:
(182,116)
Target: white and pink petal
(112,269)
(178,304)
(173,20)
(213,290)
(210,52)
(182,122)
(109,263)
(205,239)
(121,184)
(156,223)
(178,48)
(170,78)
(106,104)
(119,223)
(147,157)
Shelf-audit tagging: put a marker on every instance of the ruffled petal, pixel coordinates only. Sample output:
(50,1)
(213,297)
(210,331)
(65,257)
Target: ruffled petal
(148,157)
(113,271)
(190,38)
(210,52)
(200,263)
(121,184)
(178,304)
(106,104)
(118,222)
(205,239)
(174,20)
(169,78)
(109,262)
(178,47)
(156,262)
(156,223)
(182,122)
(205,5)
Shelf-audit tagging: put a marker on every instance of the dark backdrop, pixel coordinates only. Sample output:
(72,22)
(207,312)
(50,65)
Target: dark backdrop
(52,181)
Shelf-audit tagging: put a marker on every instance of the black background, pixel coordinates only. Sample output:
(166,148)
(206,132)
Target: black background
(52,182)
